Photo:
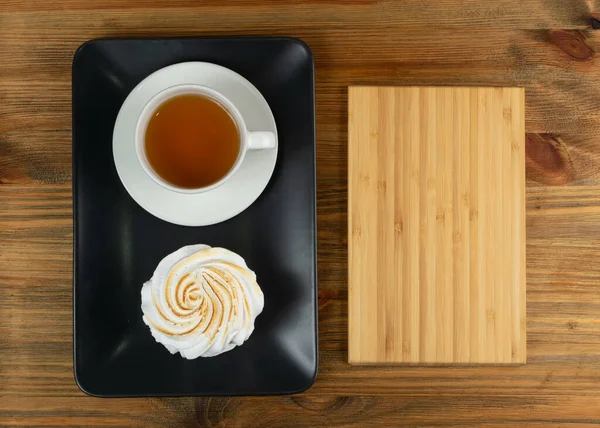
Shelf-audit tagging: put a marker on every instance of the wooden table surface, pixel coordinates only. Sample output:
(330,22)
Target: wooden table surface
(546,46)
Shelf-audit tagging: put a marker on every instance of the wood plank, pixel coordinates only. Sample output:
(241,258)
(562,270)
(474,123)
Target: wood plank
(35,130)
(563,224)
(564,343)
(309,409)
(408,13)
(566,351)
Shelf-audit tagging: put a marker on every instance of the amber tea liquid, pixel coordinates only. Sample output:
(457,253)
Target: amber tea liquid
(191,141)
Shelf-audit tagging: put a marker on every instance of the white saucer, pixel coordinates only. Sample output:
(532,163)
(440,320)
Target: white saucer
(227,200)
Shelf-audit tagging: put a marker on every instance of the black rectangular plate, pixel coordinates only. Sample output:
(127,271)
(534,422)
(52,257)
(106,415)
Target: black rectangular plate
(118,244)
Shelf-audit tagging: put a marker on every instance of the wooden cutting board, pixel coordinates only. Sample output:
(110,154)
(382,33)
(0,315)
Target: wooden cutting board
(436,225)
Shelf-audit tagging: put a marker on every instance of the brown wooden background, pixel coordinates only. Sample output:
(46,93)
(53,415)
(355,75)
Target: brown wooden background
(547,46)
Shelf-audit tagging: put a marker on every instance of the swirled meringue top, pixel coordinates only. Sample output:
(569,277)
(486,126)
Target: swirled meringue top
(201,301)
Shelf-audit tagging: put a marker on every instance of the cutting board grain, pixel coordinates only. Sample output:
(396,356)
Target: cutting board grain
(436,219)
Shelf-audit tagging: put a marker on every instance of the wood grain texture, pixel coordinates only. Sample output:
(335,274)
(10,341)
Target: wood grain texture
(546,46)
(436,225)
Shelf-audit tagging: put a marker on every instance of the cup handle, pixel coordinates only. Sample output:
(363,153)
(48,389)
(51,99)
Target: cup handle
(261,140)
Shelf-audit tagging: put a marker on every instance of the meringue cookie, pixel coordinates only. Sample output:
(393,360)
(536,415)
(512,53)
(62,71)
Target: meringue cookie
(201,301)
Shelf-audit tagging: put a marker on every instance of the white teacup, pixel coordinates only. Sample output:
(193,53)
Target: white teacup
(244,183)
(249,140)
